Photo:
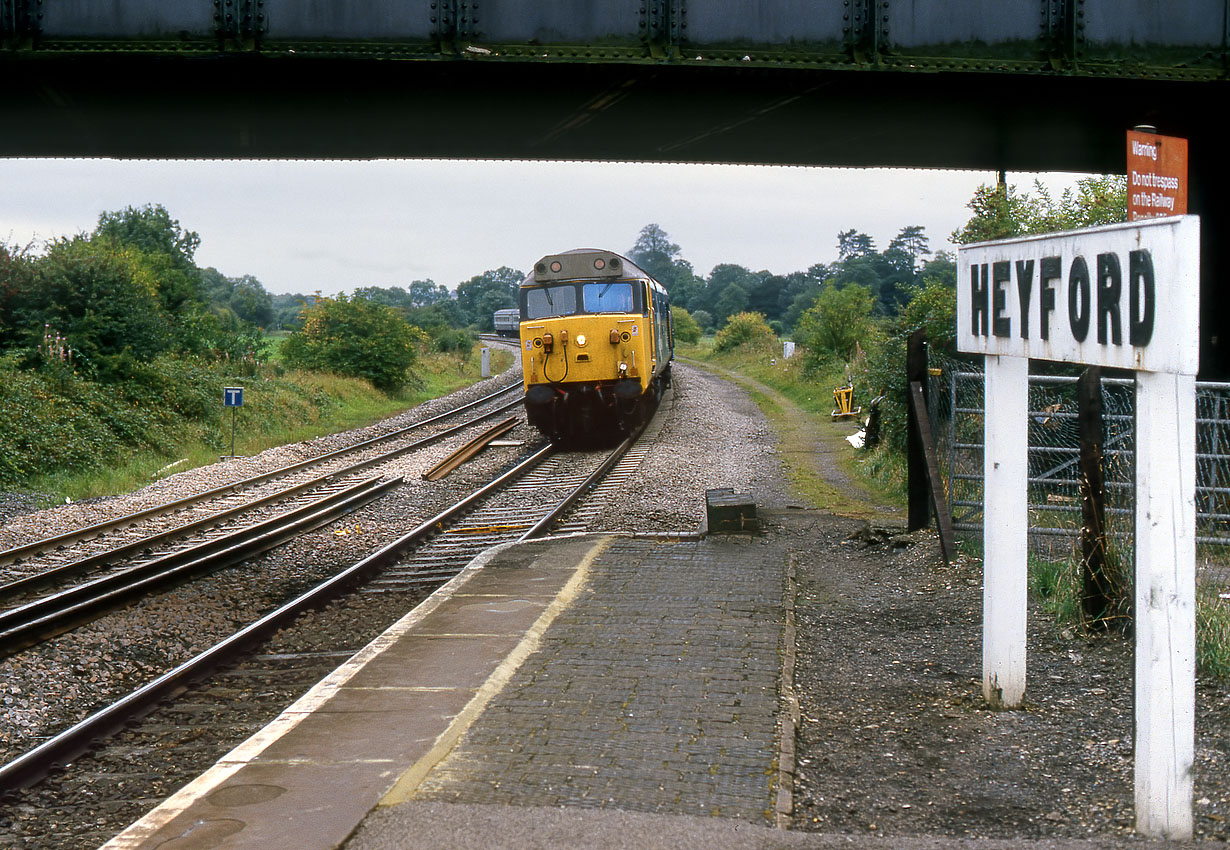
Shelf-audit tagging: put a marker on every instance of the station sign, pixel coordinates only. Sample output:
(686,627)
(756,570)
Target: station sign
(1123,296)
(1157,175)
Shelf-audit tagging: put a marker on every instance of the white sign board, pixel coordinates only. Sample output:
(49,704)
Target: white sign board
(1124,295)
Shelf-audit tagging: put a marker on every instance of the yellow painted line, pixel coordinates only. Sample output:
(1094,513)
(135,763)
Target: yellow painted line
(409,781)
(485,529)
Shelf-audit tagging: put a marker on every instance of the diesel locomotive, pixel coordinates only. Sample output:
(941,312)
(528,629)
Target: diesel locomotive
(596,344)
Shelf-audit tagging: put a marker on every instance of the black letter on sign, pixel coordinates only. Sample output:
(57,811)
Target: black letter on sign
(1001,273)
(1140,298)
(1024,287)
(1110,286)
(1051,269)
(1078,287)
(979,290)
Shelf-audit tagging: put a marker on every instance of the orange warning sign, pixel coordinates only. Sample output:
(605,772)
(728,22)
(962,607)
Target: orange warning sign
(1157,175)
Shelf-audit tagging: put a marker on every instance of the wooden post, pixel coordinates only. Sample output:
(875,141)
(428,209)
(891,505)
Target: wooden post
(919,515)
(1005,530)
(1165,624)
(1097,599)
(943,522)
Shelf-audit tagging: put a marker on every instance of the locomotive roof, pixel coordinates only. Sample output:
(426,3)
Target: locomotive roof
(574,267)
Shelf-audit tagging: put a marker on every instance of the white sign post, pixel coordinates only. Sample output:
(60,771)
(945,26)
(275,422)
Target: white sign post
(1122,296)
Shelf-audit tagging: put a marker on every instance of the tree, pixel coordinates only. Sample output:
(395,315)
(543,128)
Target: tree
(1000,212)
(251,302)
(908,248)
(942,268)
(654,252)
(1098,200)
(483,294)
(933,307)
(355,337)
(16,281)
(389,296)
(732,300)
(151,230)
(686,288)
(799,305)
(764,294)
(851,244)
(838,322)
(424,293)
(286,310)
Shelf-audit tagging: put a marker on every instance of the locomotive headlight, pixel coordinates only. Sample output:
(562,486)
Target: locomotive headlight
(580,340)
(623,369)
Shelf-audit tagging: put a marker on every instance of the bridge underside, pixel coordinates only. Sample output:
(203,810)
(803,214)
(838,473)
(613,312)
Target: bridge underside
(278,107)
(262,106)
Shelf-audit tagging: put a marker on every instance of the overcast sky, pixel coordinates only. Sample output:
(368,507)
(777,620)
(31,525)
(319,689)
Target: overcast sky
(331,226)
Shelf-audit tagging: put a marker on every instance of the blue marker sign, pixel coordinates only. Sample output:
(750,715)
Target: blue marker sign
(232,396)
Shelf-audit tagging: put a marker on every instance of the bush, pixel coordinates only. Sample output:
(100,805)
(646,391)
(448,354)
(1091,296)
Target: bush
(356,337)
(686,329)
(103,298)
(457,341)
(932,309)
(703,318)
(745,330)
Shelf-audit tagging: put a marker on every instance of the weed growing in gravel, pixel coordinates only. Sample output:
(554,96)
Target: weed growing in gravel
(1213,633)
(1058,584)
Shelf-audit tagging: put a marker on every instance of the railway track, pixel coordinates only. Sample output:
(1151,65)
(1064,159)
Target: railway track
(396,577)
(60,548)
(147,562)
(24,625)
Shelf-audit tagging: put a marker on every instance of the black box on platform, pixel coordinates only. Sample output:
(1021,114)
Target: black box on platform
(729,512)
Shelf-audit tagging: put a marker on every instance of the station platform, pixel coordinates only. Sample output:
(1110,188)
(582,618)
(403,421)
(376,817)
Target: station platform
(592,691)
(586,675)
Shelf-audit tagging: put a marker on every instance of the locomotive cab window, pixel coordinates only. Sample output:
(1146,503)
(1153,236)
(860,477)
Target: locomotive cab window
(569,299)
(543,302)
(610,297)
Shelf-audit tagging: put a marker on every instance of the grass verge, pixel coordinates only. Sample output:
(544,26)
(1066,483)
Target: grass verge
(293,407)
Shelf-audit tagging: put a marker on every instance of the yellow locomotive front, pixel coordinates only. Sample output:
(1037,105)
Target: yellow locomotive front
(596,344)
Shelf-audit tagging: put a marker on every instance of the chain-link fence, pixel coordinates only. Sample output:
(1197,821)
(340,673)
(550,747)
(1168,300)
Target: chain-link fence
(956,407)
